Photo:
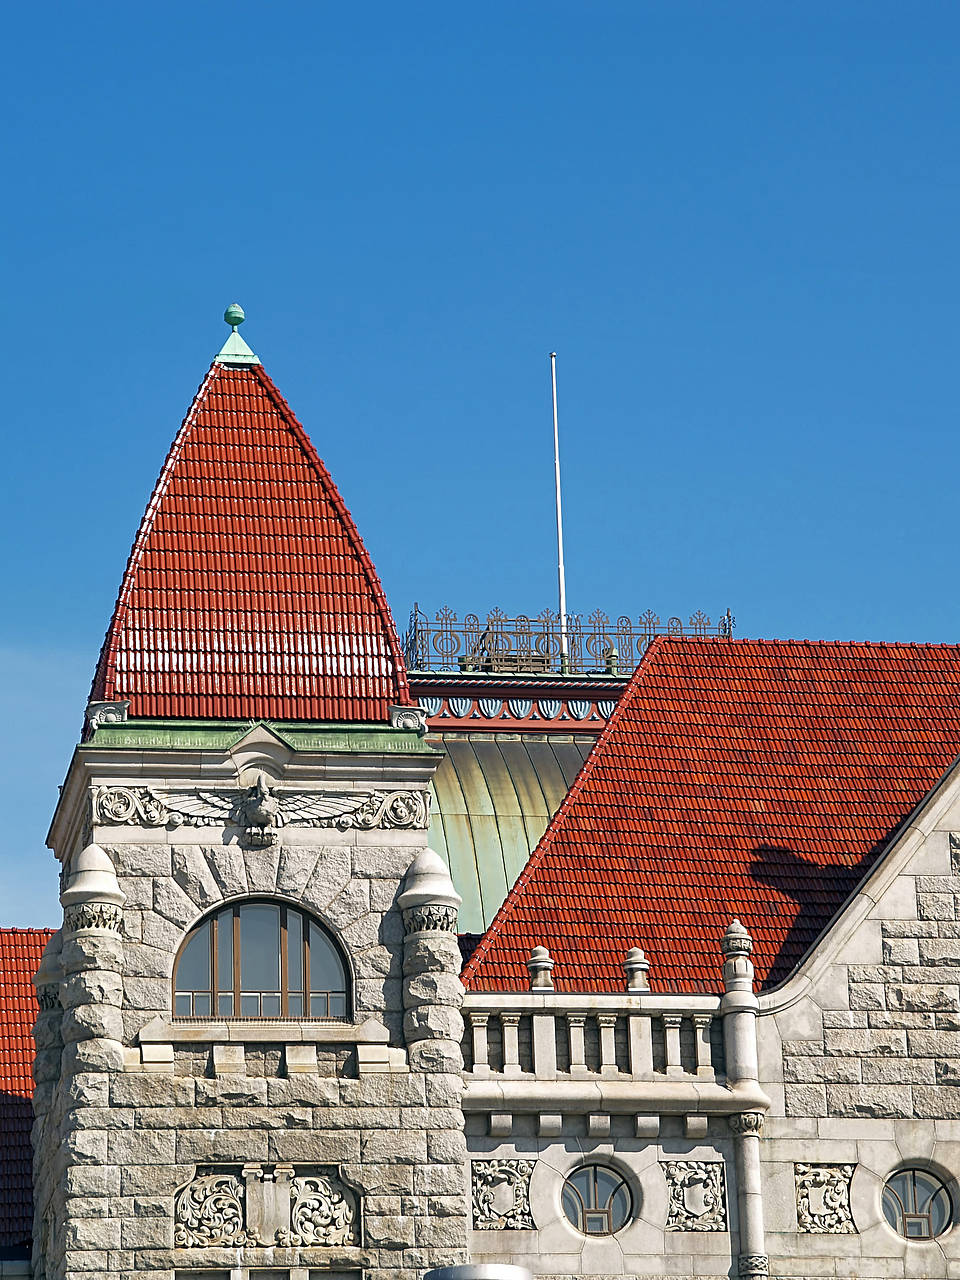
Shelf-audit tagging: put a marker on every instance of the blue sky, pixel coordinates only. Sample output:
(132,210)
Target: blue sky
(737,224)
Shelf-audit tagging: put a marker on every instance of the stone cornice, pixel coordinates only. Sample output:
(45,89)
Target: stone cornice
(312,757)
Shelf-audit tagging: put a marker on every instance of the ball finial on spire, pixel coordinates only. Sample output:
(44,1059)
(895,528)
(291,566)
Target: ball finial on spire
(234,315)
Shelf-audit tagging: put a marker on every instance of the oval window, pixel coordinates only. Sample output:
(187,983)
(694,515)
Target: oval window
(596,1200)
(917,1204)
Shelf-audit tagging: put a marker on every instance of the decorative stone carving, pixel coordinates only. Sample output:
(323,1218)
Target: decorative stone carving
(323,1211)
(697,1200)
(48,997)
(93,915)
(823,1198)
(410,718)
(753,1264)
(501,1195)
(261,810)
(262,1206)
(747,1122)
(434,918)
(209,1211)
(106,713)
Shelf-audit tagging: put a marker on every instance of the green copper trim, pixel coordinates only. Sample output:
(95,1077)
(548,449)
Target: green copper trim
(220,735)
(235,350)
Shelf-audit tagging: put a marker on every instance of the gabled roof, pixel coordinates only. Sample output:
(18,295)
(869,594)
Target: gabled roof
(249,593)
(758,779)
(20,952)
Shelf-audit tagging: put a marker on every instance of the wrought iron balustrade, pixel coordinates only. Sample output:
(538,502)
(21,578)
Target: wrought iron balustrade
(525,645)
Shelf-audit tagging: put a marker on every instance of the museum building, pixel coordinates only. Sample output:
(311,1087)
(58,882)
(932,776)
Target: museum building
(382,957)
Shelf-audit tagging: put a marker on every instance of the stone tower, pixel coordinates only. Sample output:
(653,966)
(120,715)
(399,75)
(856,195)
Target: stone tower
(249,1034)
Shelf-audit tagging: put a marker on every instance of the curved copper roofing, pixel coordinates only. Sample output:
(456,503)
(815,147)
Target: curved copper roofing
(493,795)
(249,592)
(758,779)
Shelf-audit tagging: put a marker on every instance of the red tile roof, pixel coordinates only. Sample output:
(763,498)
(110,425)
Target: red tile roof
(758,779)
(249,593)
(20,952)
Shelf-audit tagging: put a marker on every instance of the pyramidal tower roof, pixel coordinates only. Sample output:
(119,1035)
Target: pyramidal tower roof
(249,593)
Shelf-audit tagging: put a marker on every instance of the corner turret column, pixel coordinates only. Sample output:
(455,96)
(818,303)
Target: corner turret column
(739,1008)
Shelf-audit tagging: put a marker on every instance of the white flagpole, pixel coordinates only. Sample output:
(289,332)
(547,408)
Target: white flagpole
(564,659)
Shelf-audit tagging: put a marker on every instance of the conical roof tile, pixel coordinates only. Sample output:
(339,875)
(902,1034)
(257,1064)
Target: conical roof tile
(249,593)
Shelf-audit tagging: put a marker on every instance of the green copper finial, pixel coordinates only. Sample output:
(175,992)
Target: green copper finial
(235,351)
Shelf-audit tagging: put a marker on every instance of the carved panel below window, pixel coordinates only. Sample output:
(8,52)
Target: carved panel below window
(260,1205)
(697,1198)
(823,1198)
(501,1195)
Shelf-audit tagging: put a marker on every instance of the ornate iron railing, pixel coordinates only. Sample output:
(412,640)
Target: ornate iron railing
(532,646)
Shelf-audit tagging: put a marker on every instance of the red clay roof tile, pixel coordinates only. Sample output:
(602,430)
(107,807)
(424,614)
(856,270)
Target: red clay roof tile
(758,779)
(20,952)
(249,593)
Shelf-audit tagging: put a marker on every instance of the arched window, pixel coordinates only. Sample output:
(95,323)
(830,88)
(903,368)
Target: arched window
(259,960)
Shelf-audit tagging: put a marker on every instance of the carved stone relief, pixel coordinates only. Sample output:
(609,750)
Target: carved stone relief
(697,1199)
(437,919)
(259,1205)
(261,810)
(92,915)
(753,1264)
(823,1198)
(501,1195)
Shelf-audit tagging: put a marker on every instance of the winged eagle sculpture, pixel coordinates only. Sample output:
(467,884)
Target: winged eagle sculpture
(261,810)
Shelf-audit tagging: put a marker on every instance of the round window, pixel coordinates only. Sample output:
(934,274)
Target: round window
(917,1204)
(597,1201)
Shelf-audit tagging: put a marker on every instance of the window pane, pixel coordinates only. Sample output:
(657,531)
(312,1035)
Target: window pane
(607,1183)
(294,951)
(337,1006)
(193,969)
(270,1006)
(326,971)
(260,948)
(296,1006)
(225,950)
(249,1006)
(318,1007)
(201,1004)
(225,1006)
(181,1006)
(939,1211)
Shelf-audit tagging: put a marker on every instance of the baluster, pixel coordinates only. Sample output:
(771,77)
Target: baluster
(481,1050)
(671,1023)
(578,1061)
(608,1043)
(511,1043)
(702,1023)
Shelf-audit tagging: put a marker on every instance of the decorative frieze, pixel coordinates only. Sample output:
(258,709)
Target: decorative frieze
(823,1198)
(697,1199)
(209,1211)
(747,1122)
(323,1211)
(265,1206)
(92,915)
(753,1264)
(261,810)
(501,1195)
(430,916)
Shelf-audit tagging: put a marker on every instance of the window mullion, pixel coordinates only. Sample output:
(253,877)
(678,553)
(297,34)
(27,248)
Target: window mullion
(284,1003)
